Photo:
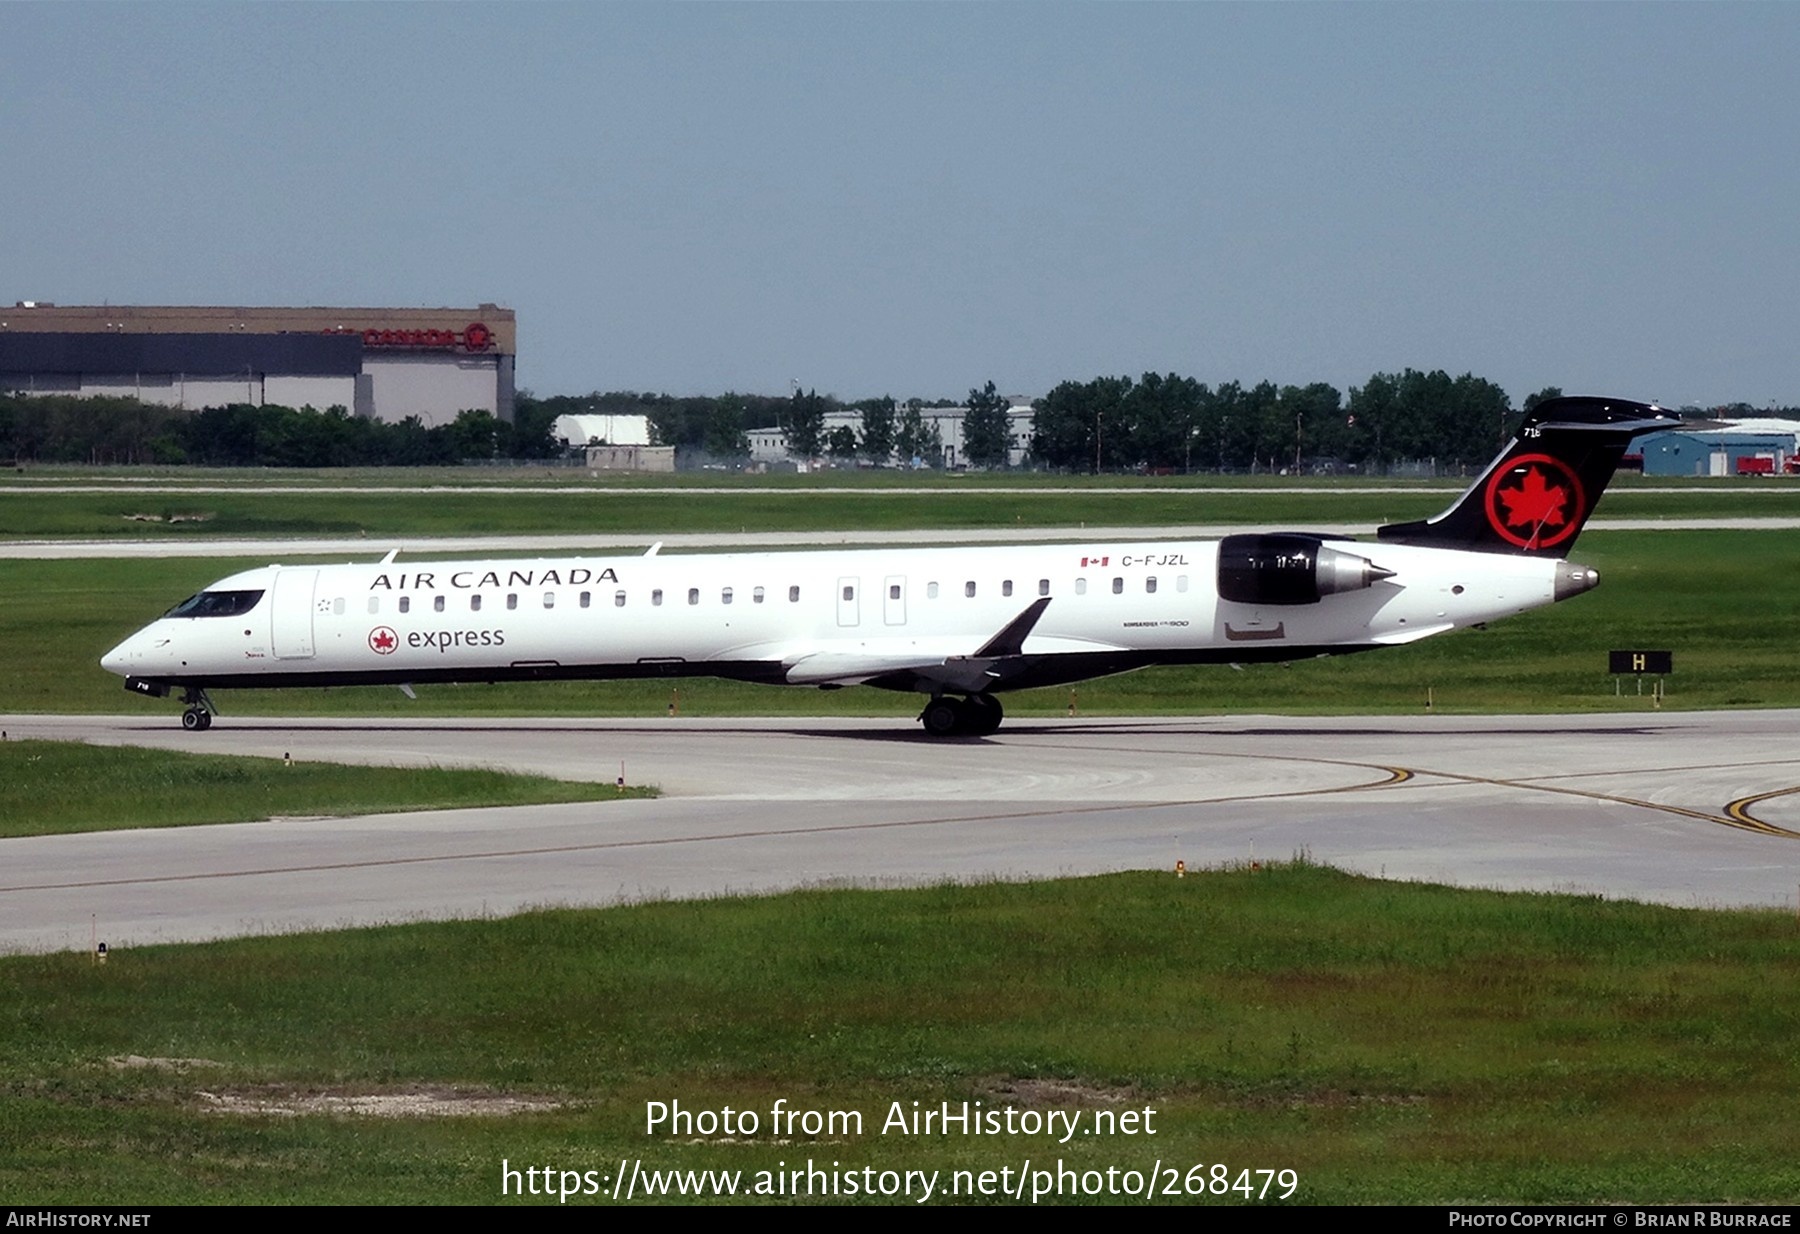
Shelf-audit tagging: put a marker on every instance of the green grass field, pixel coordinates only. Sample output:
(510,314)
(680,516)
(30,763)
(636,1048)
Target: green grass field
(50,787)
(627,511)
(1389,1043)
(1725,602)
(863,500)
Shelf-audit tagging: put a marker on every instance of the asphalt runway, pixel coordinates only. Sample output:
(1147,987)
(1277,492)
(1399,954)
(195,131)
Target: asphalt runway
(1684,809)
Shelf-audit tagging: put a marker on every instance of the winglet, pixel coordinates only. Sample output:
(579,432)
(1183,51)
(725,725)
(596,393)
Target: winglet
(1011,640)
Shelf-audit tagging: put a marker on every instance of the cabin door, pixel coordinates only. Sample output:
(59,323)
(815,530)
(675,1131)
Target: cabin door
(893,604)
(849,604)
(292,635)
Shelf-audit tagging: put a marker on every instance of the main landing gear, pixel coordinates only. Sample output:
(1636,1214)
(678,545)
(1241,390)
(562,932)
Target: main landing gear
(199,714)
(974,716)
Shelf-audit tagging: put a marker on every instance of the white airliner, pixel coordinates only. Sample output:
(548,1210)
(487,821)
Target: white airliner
(958,625)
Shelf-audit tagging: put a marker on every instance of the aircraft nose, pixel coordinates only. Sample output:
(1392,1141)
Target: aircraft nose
(119,659)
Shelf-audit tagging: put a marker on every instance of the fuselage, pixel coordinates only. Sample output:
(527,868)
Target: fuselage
(813,618)
(961,625)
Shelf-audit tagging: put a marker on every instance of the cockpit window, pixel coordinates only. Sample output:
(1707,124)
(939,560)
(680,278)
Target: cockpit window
(216,604)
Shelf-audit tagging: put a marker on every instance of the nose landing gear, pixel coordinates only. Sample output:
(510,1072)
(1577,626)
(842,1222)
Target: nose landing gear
(199,714)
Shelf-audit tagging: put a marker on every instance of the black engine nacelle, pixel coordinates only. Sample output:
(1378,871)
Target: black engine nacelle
(1290,569)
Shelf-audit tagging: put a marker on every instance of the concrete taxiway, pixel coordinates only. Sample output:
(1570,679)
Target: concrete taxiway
(1685,809)
(363,548)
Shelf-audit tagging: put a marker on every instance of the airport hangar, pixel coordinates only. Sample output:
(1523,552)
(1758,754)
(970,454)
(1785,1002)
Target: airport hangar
(380,363)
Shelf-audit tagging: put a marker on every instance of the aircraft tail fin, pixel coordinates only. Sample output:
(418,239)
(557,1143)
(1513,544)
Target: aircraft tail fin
(1536,496)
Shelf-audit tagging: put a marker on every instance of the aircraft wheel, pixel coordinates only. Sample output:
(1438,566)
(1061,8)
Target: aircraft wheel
(196,720)
(983,715)
(943,717)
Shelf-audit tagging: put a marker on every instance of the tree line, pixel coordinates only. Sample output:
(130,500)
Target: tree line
(102,430)
(1156,422)
(1166,421)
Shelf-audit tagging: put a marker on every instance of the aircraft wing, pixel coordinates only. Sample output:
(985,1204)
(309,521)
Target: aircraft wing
(962,674)
(853,668)
(957,667)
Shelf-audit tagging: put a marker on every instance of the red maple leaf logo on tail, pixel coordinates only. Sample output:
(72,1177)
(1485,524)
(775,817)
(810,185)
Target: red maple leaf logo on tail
(1535,503)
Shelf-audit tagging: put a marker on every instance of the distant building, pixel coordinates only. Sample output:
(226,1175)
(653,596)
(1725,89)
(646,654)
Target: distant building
(621,430)
(381,363)
(631,458)
(1716,448)
(769,445)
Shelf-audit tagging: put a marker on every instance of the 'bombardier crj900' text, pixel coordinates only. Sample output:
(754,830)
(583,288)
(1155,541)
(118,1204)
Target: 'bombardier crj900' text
(958,625)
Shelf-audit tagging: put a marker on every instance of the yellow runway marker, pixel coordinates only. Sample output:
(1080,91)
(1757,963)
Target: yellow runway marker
(1735,815)
(1740,810)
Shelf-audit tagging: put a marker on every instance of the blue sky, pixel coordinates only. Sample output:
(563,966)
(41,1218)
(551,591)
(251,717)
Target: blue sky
(914,199)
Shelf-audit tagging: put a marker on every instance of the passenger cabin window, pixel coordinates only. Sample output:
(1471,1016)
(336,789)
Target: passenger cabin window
(512,599)
(218,604)
(374,604)
(618,599)
(1081,586)
(969,589)
(1006,587)
(1181,582)
(1118,586)
(1043,586)
(406,604)
(656,597)
(931,591)
(693,595)
(793,595)
(437,604)
(337,606)
(474,604)
(756,596)
(893,591)
(725,595)
(549,599)
(587,598)
(1150,585)
(849,593)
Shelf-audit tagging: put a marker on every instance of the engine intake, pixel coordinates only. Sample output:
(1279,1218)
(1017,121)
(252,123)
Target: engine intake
(1290,569)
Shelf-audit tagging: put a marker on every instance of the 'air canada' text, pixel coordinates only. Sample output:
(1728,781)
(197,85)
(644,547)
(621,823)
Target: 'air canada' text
(555,576)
